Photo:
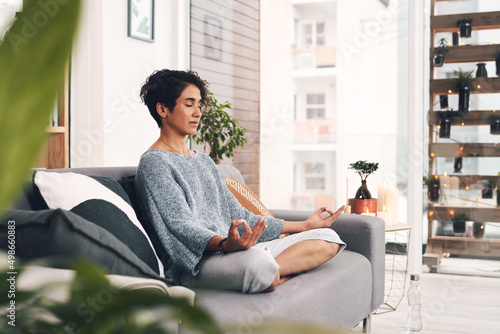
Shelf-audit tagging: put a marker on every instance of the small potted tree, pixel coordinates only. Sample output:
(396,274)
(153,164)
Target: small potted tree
(440,52)
(464,85)
(363,201)
(219,131)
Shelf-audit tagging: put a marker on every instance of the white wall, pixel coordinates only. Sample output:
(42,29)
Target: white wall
(110,126)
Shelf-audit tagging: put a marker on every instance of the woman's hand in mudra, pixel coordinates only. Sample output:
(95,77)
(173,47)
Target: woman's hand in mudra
(236,242)
(316,220)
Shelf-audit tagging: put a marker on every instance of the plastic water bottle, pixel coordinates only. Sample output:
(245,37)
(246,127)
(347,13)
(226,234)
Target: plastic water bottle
(414,305)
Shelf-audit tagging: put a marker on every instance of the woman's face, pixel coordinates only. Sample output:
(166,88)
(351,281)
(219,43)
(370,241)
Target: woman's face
(185,117)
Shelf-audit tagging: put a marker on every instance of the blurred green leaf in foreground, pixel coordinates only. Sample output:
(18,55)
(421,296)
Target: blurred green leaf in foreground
(33,56)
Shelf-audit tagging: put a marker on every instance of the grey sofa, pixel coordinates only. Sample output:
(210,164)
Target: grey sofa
(340,294)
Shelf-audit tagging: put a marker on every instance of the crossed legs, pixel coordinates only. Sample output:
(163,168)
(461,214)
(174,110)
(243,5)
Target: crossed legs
(302,256)
(266,265)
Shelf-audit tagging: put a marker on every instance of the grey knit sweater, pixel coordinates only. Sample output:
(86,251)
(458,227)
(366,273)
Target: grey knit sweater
(188,204)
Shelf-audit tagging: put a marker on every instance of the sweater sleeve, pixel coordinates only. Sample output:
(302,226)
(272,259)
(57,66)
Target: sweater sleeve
(164,201)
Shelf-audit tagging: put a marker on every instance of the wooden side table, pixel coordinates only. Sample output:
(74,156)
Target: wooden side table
(397,240)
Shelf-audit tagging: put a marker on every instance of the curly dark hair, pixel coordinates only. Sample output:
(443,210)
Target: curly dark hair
(165,86)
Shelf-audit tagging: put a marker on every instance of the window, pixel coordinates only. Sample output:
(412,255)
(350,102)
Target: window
(315,106)
(311,33)
(320,33)
(314,176)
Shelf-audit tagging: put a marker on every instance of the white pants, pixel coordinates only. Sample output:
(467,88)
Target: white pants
(252,270)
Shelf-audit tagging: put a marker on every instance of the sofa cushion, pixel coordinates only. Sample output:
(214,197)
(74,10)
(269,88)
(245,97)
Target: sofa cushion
(129,186)
(60,236)
(100,200)
(246,197)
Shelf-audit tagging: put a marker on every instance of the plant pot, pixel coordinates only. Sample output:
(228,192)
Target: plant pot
(360,206)
(434,192)
(444,127)
(465,28)
(495,126)
(459,226)
(481,71)
(439,60)
(457,165)
(463,99)
(487,191)
(443,102)
(478,230)
(497,62)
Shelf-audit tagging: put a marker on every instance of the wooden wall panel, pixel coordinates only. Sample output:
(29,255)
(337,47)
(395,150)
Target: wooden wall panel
(225,51)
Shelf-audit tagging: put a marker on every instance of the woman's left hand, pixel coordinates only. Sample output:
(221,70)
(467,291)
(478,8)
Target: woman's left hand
(316,220)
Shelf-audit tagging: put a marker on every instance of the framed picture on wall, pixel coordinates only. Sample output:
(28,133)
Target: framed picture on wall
(141,19)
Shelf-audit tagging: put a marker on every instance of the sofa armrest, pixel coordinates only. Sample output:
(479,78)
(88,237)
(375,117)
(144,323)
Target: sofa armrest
(362,234)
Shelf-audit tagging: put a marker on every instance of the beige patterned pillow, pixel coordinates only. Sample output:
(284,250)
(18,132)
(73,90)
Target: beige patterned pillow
(247,198)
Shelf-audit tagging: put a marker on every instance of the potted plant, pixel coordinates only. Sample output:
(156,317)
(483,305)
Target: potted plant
(465,26)
(219,131)
(464,85)
(444,125)
(459,220)
(495,123)
(481,71)
(478,230)
(498,194)
(433,188)
(440,52)
(497,63)
(363,201)
(446,118)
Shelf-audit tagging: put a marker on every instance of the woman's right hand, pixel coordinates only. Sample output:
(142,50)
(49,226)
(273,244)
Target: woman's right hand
(236,242)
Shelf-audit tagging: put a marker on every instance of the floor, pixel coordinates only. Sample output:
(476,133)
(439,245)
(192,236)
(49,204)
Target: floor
(464,303)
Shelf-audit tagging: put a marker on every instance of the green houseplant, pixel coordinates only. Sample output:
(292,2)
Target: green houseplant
(363,201)
(219,131)
(464,86)
(440,52)
(33,58)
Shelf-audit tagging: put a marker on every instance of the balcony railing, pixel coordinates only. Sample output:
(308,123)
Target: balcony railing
(315,131)
(314,57)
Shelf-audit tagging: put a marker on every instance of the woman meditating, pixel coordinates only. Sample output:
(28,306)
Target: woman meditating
(210,240)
